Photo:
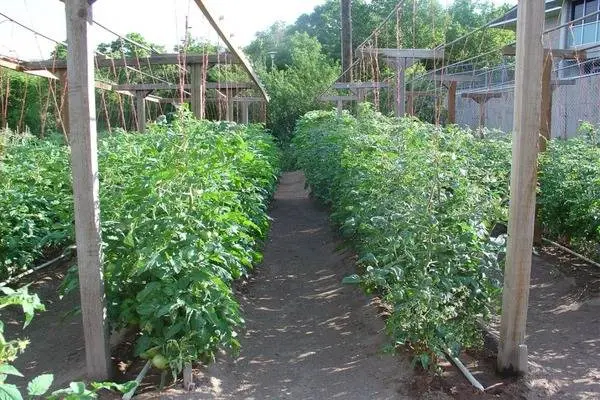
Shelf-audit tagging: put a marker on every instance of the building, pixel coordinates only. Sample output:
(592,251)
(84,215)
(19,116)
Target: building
(576,92)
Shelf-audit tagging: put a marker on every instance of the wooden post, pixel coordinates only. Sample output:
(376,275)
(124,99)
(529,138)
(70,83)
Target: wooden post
(64,101)
(245,112)
(452,102)
(410,99)
(263,112)
(481,103)
(198,106)
(346,16)
(401,87)
(512,352)
(82,120)
(230,105)
(546,118)
(140,102)
(545,130)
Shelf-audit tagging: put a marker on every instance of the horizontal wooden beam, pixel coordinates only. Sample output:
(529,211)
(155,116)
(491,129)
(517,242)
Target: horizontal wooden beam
(162,59)
(173,86)
(407,53)
(338,98)
(360,85)
(555,53)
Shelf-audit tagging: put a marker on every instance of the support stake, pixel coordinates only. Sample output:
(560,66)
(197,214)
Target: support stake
(512,357)
(84,156)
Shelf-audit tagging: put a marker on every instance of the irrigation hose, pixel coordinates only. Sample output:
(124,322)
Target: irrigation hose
(560,246)
(464,370)
(138,380)
(34,269)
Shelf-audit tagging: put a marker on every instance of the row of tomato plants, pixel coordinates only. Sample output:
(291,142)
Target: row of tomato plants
(183,209)
(419,203)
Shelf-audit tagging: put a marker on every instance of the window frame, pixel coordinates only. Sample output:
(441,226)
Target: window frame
(579,41)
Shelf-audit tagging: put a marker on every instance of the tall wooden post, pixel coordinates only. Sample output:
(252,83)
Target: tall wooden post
(481,103)
(82,120)
(230,105)
(346,16)
(546,118)
(512,352)
(245,112)
(452,102)
(198,106)
(140,107)
(410,100)
(400,87)
(545,130)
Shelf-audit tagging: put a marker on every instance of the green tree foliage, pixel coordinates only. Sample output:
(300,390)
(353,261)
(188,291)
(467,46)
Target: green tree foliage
(294,87)
(464,16)
(324,24)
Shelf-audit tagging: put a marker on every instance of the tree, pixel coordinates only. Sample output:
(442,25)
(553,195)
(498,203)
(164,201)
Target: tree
(274,39)
(295,87)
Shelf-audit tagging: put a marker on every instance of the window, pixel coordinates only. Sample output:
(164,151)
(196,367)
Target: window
(588,29)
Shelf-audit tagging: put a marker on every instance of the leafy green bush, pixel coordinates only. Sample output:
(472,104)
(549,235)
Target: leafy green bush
(183,211)
(570,200)
(36,202)
(417,202)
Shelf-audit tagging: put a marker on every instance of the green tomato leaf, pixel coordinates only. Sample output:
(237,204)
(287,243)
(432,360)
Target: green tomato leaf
(9,392)
(6,369)
(40,385)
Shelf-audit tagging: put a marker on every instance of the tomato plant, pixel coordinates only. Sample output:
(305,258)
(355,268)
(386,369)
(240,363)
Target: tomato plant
(184,210)
(418,202)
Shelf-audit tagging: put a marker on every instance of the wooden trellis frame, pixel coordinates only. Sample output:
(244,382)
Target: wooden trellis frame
(400,60)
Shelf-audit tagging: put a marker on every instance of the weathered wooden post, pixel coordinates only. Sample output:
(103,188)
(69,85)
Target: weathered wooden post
(512,352)
(198,104)
(245,112)
(230,104)
(400,97)
(82,120)
(452,102)
(140,102)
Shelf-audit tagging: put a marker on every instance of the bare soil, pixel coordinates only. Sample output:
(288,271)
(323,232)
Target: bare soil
(55,335)
(308,336)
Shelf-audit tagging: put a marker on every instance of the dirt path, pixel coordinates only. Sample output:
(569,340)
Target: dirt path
(563,335)
(307,337)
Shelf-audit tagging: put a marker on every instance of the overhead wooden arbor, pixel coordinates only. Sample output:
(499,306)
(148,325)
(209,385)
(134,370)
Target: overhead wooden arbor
(482,98)
(549,84)
(451,81)
(400,60)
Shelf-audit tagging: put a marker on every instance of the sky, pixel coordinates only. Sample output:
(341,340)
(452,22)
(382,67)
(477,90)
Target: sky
(159,21)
